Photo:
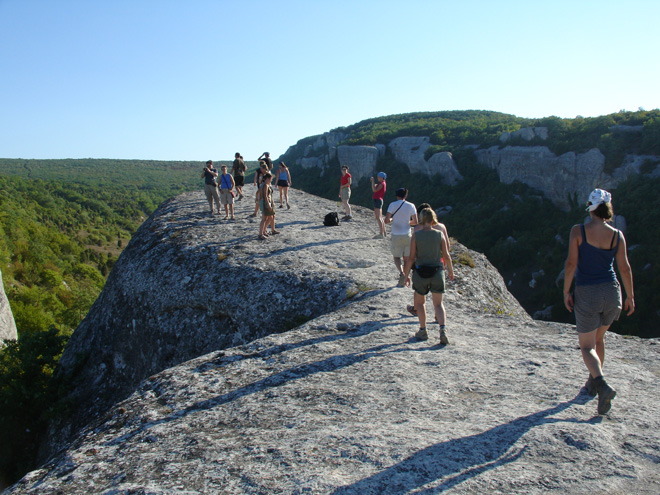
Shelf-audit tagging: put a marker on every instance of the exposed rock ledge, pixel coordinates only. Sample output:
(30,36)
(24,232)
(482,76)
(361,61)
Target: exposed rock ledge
(347,402)
(7,323)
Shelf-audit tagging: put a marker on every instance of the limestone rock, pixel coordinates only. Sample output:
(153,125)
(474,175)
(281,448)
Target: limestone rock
(556,176)
(7,323)
(526,133)
(632,164)
(411,150)
(347,402)
(361,160)
(188,284)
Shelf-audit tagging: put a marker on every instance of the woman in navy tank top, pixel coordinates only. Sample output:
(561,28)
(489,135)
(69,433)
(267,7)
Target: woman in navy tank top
(593,247)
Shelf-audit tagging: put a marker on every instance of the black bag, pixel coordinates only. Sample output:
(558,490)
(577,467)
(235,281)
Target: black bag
(331,219)
(426,271)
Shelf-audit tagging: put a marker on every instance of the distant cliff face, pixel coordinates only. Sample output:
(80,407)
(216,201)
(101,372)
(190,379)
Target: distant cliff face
(7,324)
(189,284)
(557,177)
(361,160)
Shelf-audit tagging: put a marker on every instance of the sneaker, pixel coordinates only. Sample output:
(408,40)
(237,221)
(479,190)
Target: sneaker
(590,386)
(605,396)
(444,340)
(348,217)
(422,334)
(411,309)
(402,281)
(288,206)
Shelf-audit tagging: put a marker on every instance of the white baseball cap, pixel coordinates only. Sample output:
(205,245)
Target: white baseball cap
(598,197)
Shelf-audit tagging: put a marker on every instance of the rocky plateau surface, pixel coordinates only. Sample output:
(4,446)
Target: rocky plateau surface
(232,394)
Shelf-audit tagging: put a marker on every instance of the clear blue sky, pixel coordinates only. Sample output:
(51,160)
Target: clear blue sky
(199,79)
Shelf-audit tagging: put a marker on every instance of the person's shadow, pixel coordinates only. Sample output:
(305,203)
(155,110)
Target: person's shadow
(459,459)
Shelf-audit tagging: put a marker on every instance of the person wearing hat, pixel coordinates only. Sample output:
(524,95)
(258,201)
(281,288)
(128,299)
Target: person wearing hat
(379,186)
(402,215)
(592,249)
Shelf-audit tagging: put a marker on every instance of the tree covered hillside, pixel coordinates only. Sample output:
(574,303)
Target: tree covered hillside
(63,223)
(523,234)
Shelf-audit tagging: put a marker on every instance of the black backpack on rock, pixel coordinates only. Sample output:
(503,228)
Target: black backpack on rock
(331,219)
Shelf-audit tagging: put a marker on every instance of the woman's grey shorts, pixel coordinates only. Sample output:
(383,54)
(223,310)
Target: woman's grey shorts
(435,284)
(596,305)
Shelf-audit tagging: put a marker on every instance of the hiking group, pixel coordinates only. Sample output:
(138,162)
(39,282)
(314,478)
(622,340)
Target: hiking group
(222,189)
(420,244)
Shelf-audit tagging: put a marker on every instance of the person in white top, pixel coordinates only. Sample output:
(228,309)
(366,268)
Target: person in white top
(403,216)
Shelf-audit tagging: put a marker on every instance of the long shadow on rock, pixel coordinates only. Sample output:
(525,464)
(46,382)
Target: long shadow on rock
(279,379)
(459,459)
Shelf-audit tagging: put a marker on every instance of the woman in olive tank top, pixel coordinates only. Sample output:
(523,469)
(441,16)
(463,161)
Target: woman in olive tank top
(428,248)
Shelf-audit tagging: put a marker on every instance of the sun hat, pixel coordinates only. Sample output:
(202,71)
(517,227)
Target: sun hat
(598,197)
(383,175)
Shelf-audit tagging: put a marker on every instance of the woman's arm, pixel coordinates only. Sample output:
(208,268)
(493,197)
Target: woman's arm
(447,257)
(571,266)
(625,271)
(411,259)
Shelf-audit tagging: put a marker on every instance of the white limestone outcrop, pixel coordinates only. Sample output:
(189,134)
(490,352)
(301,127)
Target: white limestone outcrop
(7,323)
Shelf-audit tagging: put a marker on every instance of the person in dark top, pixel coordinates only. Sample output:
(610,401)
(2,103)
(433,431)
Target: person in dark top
(597,298)
(210,176)
(238,171)
(265,157)
(258,179)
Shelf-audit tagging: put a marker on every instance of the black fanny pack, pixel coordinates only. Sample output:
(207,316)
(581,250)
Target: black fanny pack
(427,271)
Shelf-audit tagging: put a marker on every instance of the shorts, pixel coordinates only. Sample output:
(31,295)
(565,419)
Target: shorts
(211,191)
(282,183)
(239,180)
(400,246)
(435,284)
(226,197)
(345,193)
(596,305)
(378,203)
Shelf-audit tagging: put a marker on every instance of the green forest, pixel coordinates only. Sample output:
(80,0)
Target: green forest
(63,224)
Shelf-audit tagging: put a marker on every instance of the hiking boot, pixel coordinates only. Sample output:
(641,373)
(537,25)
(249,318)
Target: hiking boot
(444,340)
(605,395)
(422,334)
(411,309)
(590,386)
